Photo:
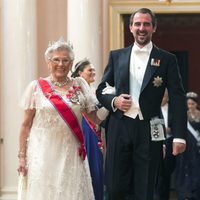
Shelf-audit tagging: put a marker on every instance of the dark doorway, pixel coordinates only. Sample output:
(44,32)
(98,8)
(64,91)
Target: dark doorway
(177,33)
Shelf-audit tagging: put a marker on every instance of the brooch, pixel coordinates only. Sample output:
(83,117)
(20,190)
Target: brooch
(155,62)
(73,94)
(157,81)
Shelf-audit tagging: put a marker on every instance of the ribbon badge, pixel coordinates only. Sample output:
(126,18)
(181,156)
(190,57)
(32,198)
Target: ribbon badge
(155,62)
(157,82)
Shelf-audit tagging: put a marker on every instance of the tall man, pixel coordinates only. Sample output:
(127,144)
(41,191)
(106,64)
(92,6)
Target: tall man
(140,73)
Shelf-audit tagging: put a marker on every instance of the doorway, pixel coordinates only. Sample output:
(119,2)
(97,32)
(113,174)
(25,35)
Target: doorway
(179,34)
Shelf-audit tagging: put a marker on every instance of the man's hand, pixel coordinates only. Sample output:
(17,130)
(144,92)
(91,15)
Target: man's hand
(178,148)
(123,102)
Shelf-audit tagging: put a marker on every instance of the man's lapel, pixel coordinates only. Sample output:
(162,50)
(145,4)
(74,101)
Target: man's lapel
(152,66)
(124,69)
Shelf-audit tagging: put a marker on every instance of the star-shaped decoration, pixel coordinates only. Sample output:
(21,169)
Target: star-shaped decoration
(157,81)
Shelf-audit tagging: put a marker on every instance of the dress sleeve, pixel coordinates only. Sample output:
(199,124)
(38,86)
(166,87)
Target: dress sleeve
(90,100)
(29,97)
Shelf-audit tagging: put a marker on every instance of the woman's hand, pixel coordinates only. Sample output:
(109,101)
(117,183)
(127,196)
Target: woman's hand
(24,132)
(22,167)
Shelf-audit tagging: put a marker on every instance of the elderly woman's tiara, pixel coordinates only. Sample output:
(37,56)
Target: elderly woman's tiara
(59,42)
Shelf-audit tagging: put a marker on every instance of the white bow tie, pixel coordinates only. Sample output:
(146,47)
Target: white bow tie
(138,50)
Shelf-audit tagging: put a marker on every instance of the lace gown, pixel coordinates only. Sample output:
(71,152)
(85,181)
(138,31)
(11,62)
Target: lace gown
(55,169)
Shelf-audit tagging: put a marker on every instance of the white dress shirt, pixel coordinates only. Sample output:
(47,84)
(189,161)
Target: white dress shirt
(164,109)
(165,116)
(138,64)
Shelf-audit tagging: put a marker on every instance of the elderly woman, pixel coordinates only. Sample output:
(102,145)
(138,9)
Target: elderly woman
(93,142)
(52,153)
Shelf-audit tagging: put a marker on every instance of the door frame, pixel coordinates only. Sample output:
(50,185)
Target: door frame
(117,8)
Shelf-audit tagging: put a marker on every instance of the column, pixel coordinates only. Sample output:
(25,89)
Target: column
(84,31)
(18,67)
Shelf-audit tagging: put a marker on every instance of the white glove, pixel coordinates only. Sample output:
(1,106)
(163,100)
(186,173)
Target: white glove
(102,113)
(108,89)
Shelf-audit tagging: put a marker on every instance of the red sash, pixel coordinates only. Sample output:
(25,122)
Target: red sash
(65,112)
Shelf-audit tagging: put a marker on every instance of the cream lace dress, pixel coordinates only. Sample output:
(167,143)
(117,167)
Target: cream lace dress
(55,170)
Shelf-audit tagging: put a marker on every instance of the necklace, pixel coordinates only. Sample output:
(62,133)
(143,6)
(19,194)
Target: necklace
(59,84)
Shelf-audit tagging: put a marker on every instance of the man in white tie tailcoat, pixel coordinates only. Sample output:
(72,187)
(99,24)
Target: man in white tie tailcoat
(140,73)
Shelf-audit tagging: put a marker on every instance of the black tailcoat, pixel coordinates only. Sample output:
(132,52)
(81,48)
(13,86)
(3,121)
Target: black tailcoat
(157,77)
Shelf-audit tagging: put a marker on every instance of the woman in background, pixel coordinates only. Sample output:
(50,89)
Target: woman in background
(93,141)
(188,163)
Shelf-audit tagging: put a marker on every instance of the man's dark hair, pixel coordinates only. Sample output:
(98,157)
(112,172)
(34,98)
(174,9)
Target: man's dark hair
(144,11)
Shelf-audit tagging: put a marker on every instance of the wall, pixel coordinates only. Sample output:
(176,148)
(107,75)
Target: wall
(51,25)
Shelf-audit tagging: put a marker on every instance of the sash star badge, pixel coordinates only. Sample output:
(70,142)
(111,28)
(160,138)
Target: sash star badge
(155,62)
(157,82)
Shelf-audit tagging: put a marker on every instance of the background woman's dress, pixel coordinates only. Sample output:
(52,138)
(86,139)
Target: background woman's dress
(95,157)
(188,167)
(55,169)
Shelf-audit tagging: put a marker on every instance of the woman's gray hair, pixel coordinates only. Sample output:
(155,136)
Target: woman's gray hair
(59,46)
